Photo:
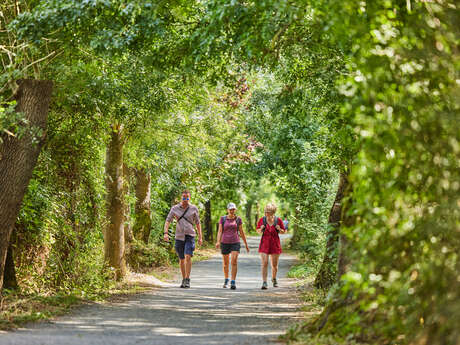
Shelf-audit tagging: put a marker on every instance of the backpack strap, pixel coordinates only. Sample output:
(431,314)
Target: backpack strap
(275,223)
(224,219)
(183,216)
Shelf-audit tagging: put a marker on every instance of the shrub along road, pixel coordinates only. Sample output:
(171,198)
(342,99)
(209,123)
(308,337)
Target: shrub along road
(204,314)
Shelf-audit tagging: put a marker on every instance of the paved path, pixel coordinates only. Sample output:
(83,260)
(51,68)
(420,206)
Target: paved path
(204,314)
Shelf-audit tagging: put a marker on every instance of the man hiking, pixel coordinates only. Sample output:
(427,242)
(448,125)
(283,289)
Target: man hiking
(187,216)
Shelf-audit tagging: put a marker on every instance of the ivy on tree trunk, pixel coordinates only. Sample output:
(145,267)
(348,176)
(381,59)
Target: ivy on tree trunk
(327,273)
(19,154)
(143,221)
(114,231)
(207,221)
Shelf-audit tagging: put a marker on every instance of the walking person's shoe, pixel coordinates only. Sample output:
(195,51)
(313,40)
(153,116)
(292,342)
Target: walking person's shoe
(264,286)
(226,283)
(275,282)
(182,285)
(187,283)
(233,285)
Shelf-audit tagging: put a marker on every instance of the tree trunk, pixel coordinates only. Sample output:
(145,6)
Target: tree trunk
(9,279)
(129,236)
(114,231)
(347,221)
(248,215)
(143,217)
(207,221)
(18,157)
(327,273)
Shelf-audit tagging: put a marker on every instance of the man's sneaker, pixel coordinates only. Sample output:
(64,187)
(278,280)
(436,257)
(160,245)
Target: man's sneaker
(183,283)
(264,286)
(233,285)
(226,283)
(275,282)
(187,283)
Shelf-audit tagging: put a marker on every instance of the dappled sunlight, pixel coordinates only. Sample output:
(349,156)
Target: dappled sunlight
(204,314)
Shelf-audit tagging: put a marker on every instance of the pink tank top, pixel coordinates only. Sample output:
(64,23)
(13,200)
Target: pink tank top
(230,230)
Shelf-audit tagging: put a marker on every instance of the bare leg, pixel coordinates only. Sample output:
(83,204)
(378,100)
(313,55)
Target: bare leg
(182,267)
(264,258)
(274,261)
(188,265)
(234,264)
(225,259)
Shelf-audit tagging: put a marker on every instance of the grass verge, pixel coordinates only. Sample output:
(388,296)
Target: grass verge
(313,301)
(18,308)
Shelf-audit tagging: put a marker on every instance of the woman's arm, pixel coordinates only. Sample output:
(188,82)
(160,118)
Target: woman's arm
(280,226)
(219,235)
(243,236)
(260,226)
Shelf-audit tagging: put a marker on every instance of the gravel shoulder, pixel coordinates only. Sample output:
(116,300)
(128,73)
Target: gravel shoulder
(204,314)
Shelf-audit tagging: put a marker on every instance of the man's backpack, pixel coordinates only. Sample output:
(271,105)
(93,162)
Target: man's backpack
(275,223)
(224,219)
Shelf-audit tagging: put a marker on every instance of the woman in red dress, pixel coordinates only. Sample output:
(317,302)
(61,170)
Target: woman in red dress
(270,246)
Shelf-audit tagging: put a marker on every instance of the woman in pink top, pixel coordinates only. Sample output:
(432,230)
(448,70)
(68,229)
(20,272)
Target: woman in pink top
(230,228)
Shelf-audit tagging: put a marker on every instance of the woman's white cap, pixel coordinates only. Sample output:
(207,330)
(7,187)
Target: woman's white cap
(231,206)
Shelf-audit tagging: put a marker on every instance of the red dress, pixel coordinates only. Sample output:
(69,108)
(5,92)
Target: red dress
(270,241)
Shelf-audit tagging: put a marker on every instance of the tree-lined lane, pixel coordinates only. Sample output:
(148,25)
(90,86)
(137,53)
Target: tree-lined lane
(204,314)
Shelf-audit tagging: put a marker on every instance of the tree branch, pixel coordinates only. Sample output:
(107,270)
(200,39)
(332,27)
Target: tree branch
(40,60)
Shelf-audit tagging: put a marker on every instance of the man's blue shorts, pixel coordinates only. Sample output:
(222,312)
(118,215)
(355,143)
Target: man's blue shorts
(185,247)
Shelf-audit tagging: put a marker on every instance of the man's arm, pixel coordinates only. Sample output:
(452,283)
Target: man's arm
(169,219)
(200,236)
(198,226)
(165,230)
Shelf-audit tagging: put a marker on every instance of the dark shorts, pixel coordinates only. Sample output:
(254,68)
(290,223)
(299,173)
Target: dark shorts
(185,247)
(227,248)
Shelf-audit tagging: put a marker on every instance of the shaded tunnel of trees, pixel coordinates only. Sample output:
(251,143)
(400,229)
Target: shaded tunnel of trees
(345,112)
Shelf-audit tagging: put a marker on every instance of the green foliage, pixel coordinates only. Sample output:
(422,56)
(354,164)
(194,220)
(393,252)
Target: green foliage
(397,86)
(225,97)
(294,154)
(19,309)
(301,271)
(102,25)
(9,119)
(144,257)
(404,242)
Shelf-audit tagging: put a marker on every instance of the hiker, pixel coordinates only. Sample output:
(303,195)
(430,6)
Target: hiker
(286,223)
(228,239)
(270,245)
(187,215)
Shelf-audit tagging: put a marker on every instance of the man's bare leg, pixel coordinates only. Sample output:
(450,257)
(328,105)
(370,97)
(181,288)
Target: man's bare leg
(188,265)
(182,267)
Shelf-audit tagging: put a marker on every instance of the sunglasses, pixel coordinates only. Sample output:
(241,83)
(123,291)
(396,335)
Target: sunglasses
(185,198)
